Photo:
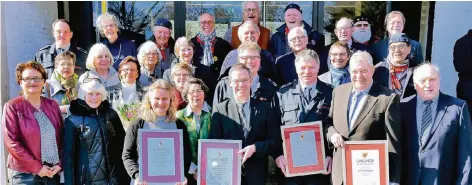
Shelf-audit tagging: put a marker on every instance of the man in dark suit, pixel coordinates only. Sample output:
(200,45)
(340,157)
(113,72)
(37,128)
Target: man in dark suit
(462,57)
(250,120)
(437,141)
(362,110)
(395,71)
(305,100)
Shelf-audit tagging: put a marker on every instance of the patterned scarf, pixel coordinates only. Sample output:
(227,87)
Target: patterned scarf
(339,76)
(208,42)
(163,51)
(394,69)
(69,85)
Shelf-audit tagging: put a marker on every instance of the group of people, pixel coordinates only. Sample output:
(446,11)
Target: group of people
(79,112)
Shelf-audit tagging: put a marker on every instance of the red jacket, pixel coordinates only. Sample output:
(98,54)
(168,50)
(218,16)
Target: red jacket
(22,134)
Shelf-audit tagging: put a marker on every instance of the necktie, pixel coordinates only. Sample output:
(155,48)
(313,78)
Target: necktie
(307,93)
(242,115)
(354,103)
(61,50)
(426,121)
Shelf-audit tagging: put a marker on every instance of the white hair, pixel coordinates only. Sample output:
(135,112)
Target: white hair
(362,56)
(424,65)
(104,16)
(307,55)
(94,52)
(294,30)
(146,48)
(92,86)
(344,19)
(244,27)
(243,5)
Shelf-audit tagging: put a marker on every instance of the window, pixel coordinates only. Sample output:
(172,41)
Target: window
(274,13)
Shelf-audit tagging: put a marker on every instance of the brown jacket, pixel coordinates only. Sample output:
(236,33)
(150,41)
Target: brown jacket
(378,119)
(263,41)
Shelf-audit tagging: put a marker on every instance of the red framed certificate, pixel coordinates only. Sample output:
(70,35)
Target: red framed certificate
(161,156)
(304,150)
(219,162)
(365,162)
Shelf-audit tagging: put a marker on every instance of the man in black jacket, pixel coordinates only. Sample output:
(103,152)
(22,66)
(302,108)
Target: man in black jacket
(463,65)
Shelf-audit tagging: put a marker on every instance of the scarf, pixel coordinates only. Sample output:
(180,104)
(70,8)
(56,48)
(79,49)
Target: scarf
(394,69)
(339,76)
(208,42)
(163,51)
(69,85)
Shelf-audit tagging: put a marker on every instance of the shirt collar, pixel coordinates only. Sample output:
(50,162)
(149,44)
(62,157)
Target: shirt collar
(255,83)
(420,101)
(206,108)
(65,48)
(365,91)
(313,86)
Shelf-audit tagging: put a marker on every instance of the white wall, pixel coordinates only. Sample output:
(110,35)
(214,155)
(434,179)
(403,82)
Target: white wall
(452,20)
(27,29)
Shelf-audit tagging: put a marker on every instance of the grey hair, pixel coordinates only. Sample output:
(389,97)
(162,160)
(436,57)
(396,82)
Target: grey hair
(362,56)
(294,30)
(248,24)
(199,17)
(94,52)
(243,5)
(307,55)
(146,47)
(392,13)
(92,86)
(238,67)
(423,65)
(104,16)
(344,18)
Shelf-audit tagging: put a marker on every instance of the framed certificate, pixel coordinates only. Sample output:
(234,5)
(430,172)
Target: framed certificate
(303,146)
(365,162)
(219,162)
(161,156)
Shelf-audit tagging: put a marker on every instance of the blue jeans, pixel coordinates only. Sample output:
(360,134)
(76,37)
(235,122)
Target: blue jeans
(20,178)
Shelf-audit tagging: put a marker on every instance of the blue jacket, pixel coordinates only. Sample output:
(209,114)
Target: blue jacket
(445,157)
(120,49)
(285,69)
(278,46)
(380,51)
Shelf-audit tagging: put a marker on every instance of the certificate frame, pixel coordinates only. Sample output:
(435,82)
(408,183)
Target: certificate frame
(205,144)
(292,170)
(143,147)
(380,145)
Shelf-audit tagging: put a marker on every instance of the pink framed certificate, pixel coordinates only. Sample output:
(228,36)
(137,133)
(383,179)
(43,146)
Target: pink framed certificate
(219,162)
(304,150)
(161,156)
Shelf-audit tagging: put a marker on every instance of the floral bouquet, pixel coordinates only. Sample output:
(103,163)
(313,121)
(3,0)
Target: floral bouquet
(128,112)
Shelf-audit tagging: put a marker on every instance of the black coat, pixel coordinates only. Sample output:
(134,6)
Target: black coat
(221,49)
(264,134)
(46,55)
(463,65)
(92,138)
(285,69)
(130,153)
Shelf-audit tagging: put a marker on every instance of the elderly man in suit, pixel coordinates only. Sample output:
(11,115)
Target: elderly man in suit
(305,100)
(395,71)
(437,142)
(250,120)
(363,110)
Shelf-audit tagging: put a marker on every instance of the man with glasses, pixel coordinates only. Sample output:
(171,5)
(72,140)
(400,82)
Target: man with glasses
(62,36)
(395,71)
(304,100)
(251,12)
(261,87)
(293,18)
(284,65)
(249,32)
(250,120)
(210,50)
(338,66)
(362,32)
(162,37)
(395,23)
(343,31)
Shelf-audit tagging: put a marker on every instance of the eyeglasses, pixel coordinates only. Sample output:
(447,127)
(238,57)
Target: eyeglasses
(87,80)
(129,70)
(66,65)
(251,10)
(203,23)
(109,26)
(195,91)
(300,38)
(152,53)
(361,25)
(249,57)
(344,28)
(182,75)
(34,79)
(338,54)
(393,47)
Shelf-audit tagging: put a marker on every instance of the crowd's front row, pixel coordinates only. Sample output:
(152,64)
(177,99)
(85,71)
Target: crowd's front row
(429,134)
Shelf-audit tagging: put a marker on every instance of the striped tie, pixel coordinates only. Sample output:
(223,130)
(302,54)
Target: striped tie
(426,121)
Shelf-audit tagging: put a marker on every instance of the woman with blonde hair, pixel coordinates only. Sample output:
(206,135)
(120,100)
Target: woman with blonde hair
(92,135)
(99,62)
(157,111)
(149,58)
